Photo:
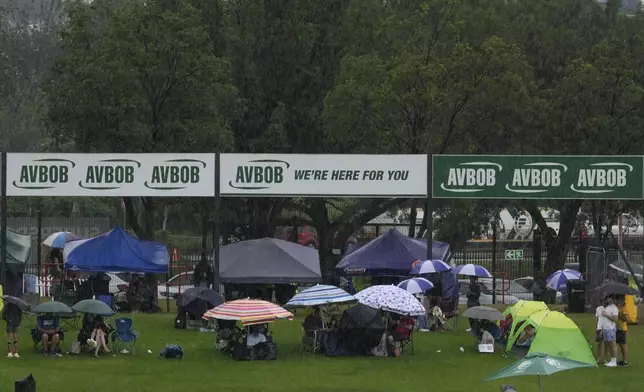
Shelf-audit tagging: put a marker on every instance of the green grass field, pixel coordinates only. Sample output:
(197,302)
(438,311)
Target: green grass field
(203,369)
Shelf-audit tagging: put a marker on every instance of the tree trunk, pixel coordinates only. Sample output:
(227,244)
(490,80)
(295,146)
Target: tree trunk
(556,244)
(413,213)
(423,224)
(204,237)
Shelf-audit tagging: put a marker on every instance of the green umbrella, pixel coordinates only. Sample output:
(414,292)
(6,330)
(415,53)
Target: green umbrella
(16,301)
(53,307)
(538,364)
(93,306)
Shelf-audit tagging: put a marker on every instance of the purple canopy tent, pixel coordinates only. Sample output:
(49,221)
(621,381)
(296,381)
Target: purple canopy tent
(391,254)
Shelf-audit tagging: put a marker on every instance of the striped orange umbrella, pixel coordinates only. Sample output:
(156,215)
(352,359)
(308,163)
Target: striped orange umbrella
(249,312)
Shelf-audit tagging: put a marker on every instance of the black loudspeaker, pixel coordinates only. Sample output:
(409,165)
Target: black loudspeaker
(26,385)
(576,296)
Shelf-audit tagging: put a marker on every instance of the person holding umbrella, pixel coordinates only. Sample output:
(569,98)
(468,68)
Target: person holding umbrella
(473,295)
(12,314)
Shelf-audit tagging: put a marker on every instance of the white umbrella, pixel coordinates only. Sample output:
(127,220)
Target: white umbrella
(391,299)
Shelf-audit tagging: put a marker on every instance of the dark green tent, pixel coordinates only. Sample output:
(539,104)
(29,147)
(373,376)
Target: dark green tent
(18,250)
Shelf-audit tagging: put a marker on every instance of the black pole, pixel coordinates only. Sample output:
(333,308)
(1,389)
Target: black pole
(216,232)
(429,210)
(39,248)
(494,260)
(3,223)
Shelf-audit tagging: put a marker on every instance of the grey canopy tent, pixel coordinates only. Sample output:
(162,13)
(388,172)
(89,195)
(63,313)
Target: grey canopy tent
(269,261)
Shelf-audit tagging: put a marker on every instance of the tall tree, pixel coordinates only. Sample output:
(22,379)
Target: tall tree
(416,79)
(587,62)
(28,42)
(140,77)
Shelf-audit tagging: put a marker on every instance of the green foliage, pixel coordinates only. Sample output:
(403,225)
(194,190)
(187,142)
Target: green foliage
(357,76)
(141,77)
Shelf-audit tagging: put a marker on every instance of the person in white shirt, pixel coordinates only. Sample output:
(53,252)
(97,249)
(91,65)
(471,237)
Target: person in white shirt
(255,337)
(599,333)
(609,329)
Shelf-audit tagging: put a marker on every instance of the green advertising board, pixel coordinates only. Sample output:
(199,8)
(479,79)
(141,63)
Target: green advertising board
(538,177)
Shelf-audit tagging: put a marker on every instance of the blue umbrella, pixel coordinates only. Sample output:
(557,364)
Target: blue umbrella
(558,279)
(430,267)
(319,295)
(472,270)
(416,285)
(59,239)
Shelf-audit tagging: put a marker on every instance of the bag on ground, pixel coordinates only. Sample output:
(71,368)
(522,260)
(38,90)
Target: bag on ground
(172,351)
(26,385)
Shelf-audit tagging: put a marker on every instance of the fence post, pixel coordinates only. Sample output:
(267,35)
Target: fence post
(3,223)
(216,232)
(430,206)
(494,261)
(536,254)
(39,240)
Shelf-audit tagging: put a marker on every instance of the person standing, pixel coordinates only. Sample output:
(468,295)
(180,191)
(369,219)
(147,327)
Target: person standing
(538,289)
(599,333)
(611,313)
(204,275)
(624,317)
(473,296)
(13,316)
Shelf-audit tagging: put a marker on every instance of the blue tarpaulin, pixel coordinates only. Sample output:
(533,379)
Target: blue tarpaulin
(391,254)
(116,251)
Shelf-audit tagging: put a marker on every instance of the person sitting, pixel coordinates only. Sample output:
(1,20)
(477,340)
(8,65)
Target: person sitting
(402,332)
(255,337)
(48,327)
(437,318)
(313,322)
(99,335)
(526,337)
(85,332)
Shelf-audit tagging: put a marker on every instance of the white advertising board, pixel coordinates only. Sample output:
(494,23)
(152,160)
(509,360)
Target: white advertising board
(163,175)
(319,175)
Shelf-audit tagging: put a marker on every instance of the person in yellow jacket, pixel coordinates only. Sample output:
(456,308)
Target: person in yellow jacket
(623,319)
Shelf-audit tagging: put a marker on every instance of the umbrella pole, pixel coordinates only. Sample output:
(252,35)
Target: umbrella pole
(539,379)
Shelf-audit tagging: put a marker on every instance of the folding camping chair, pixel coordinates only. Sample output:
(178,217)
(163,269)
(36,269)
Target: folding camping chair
(32,299)
(123,335)
(310,341)
(37,338)
(409,342)
(450,311)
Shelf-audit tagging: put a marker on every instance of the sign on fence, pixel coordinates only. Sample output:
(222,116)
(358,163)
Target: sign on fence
(514,254)
(111,175)
(538,177)
(265,175)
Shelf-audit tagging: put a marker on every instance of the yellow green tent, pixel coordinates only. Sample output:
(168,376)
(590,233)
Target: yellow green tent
(557,335)
(520,311)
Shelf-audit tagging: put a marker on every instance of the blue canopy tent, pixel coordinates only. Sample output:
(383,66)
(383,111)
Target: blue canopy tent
(391,254)
(116,251)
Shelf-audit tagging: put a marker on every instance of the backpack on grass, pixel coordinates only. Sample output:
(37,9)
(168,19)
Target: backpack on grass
(172,351)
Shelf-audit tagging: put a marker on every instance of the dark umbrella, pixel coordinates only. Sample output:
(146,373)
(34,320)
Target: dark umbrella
(16,301)
(360,316)
(53,307)
(197,300)
(93,306)
(483,313)
(615,288)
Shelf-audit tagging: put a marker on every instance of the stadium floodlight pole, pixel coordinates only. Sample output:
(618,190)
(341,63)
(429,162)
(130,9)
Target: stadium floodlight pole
(429,210)
(3,223)
(216,233)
